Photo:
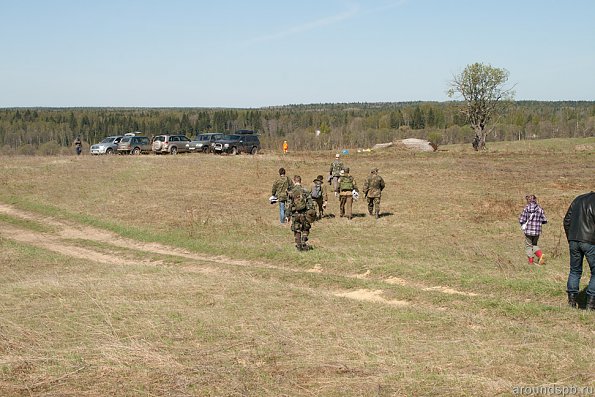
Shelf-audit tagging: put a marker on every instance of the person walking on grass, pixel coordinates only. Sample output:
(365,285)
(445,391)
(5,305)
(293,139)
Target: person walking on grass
(319,193)
(285,147)
(335,172)
(579,226)
(347,187)
(301,208)
(78,146)
(279,190)
(531,219)
(373,187)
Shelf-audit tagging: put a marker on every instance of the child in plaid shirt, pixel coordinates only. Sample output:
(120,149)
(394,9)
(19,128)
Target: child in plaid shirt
(533,216)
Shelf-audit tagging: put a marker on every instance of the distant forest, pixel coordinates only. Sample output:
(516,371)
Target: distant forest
(305,127)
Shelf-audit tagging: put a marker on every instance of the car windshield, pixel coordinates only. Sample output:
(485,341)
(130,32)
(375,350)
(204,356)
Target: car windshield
(109,139)
(231,137)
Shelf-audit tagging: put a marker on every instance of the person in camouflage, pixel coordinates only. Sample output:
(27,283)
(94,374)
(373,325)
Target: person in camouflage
(319,194)
(302,213)
(373,187)
(346,188)
(335,171)
(280,188)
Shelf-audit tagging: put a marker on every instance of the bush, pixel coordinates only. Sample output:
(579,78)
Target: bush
(27,150)
(51,148)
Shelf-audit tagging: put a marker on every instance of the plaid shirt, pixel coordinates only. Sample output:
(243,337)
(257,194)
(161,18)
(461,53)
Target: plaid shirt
(535,216)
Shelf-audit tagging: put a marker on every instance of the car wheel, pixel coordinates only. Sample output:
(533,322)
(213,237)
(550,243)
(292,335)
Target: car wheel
(109,151)
(136,151)
(254,150)
(205,149)
(234,150)
(157,146)
(173,150)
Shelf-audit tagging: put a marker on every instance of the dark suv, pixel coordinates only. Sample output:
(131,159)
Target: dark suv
(172,144)
(202,142)
(236,144)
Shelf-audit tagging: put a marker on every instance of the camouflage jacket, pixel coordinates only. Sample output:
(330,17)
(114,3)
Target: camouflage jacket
(373,186)
(296,192)
(336,167)
(281,186)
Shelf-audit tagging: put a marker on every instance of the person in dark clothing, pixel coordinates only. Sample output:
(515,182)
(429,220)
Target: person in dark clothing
(579,226)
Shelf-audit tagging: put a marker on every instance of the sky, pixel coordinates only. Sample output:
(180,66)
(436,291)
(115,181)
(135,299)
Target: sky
(261,53)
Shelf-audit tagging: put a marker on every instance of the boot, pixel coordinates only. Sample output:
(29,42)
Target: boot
(591,303)
(572,299)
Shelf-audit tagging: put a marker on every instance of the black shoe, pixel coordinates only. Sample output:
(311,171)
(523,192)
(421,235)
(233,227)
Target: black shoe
(572,299)
(591,303)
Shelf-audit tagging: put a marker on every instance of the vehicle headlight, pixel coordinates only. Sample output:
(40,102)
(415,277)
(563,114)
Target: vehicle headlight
(226,145)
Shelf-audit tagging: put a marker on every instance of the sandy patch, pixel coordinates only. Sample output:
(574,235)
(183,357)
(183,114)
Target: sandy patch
(370,296)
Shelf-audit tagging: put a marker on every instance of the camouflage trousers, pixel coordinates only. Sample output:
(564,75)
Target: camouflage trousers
(300,226)
(373,203)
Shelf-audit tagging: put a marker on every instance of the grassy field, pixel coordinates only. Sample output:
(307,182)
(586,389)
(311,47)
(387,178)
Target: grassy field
(171,276)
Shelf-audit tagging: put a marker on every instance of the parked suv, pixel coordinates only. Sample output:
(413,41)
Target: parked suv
(134,145)
(172,144)
(235,144)
(202,142)
(108,145)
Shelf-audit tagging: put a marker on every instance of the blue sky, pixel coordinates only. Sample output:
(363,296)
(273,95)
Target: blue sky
(224,53)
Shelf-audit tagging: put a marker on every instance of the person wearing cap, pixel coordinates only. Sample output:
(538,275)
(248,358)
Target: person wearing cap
(319,193)
(334,172)
(373,187)
(347,186)
(279,190)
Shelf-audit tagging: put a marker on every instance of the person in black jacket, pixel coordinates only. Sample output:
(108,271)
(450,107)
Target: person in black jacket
(579,225)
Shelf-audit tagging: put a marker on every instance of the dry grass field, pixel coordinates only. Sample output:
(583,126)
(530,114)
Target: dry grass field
(171,276)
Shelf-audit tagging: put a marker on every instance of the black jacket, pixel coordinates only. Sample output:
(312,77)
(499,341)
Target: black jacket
(579,222)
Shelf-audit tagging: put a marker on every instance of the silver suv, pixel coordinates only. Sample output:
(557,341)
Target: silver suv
(108,145)
(172,144)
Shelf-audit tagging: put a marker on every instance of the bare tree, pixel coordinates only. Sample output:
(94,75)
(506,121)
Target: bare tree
(482,87)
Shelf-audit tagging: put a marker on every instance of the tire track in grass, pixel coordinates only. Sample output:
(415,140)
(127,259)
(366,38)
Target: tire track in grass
(69,230)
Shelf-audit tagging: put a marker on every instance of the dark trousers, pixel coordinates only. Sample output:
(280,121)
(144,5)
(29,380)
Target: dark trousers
(578,250)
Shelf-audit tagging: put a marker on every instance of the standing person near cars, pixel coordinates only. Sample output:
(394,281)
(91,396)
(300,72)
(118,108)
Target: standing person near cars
(78,145)
(285,147)
(334,172)
(373,187)
(347,187)
(319,194)
(280,188)
(579,226)
(531,220)
(301,207)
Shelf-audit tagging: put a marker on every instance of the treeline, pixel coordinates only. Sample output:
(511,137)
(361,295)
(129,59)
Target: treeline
(316,126)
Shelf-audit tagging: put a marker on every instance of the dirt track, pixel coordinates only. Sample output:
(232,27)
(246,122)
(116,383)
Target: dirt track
(66,240)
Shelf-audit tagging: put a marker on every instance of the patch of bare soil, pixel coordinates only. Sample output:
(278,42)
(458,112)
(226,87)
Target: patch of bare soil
(371,296)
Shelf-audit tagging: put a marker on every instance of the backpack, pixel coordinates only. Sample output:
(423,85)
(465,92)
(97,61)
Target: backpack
(316,190)
(299,200)
(346,183)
